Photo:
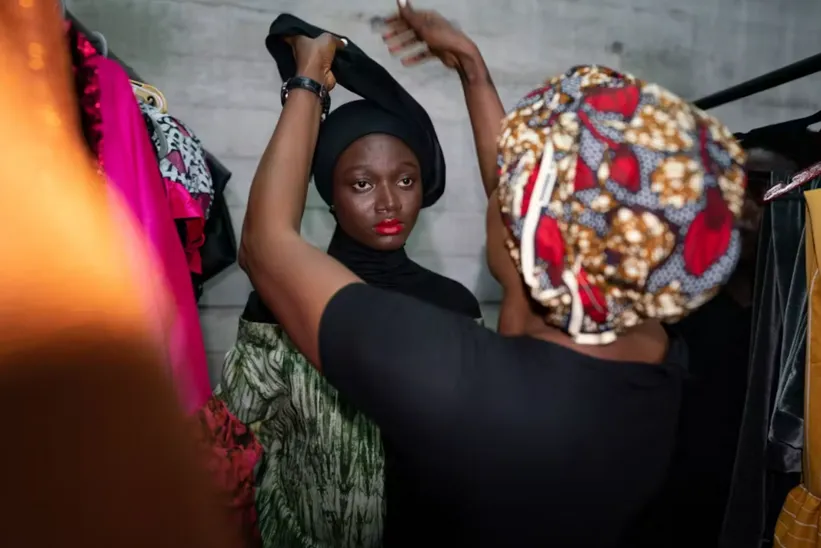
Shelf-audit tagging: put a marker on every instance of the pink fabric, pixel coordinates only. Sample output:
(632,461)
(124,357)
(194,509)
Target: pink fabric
(131,166)
(188,210)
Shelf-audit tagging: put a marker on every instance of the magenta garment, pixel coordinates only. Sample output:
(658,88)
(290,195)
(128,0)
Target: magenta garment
(130,164)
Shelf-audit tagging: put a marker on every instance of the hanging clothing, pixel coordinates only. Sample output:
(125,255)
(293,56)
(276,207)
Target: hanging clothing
(227,449)
(770,444)
(130,164)
(800,519)
(188,185)
(786,432)
(220,248)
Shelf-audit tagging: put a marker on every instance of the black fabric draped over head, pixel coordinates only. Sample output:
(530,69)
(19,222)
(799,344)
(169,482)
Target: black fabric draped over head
(387,108)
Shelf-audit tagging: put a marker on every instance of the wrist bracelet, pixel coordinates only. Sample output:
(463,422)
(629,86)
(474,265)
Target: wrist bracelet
(308,84)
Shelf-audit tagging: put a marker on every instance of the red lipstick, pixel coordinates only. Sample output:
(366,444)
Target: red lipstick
(389,227)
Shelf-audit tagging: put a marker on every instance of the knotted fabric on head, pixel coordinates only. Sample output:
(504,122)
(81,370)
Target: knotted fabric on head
(621,201)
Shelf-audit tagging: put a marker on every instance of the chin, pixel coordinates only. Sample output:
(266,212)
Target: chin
(388,243)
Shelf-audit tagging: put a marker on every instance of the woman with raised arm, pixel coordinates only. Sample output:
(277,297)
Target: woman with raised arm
(376,169)
(615,212)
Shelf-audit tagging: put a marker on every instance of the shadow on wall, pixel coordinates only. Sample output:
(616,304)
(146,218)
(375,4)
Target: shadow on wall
(672,65)
(128,25)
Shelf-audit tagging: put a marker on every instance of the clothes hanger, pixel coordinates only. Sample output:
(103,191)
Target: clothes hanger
(102,43)
(798,179)
(150,95)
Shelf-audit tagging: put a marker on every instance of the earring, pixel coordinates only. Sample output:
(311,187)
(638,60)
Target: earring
(332,209)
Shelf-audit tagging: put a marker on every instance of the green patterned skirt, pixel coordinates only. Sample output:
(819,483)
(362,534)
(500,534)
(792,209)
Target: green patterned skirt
(321,479)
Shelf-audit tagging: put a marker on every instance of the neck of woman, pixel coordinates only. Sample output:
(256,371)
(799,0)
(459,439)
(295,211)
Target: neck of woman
(381,268)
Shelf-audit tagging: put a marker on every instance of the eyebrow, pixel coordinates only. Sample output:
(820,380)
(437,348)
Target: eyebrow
(402,165)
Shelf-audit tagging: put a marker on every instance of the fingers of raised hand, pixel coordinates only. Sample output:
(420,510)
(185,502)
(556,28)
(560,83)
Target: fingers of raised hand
(417,58)
(332,40)
(330,81)
(404,43)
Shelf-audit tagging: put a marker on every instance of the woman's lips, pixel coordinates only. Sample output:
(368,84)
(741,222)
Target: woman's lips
(389,227)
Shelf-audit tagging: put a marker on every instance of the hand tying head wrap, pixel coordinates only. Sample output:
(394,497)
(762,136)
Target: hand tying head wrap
(621,201)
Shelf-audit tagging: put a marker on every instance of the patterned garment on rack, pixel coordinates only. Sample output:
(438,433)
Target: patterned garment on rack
(181,155)
(321,481)
(188,182)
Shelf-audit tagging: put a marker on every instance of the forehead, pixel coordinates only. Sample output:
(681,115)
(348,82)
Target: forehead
(376,149)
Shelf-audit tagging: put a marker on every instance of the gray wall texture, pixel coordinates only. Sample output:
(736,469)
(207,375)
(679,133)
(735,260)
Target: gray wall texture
(209,59)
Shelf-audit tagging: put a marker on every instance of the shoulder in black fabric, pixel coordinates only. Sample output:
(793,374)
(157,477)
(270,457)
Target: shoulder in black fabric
(357,72)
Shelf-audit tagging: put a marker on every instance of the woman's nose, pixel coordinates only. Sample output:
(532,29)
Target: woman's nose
(387,200)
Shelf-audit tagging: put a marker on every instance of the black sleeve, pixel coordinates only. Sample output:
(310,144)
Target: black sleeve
(474,308)
(401,361)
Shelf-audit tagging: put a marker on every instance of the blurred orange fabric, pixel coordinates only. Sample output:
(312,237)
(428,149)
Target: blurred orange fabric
(66,246)
(96,451)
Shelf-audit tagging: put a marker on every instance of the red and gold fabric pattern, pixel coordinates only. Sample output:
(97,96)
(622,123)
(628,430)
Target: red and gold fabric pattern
(621,201)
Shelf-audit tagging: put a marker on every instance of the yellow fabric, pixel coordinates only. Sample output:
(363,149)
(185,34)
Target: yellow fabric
(799,525)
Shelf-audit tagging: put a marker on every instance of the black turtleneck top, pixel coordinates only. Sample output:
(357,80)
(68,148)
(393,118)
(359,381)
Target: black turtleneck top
(391,270)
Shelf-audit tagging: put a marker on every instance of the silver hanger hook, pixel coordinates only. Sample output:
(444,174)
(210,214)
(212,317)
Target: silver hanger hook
(103,42)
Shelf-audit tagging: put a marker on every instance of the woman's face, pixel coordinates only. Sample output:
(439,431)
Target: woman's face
(377,191)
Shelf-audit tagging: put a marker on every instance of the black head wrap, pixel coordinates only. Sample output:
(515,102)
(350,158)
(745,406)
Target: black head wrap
(387,108)
(352,121)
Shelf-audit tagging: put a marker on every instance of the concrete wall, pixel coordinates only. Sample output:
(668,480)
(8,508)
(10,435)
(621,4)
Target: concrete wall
(208,57)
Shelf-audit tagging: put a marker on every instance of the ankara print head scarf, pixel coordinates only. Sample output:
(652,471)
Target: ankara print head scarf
(621,201)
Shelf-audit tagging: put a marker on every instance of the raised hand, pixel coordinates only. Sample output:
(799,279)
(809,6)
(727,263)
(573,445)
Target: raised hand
(315,55)
(420,35)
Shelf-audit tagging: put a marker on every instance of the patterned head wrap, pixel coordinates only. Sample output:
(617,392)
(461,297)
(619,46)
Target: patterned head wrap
(621,200)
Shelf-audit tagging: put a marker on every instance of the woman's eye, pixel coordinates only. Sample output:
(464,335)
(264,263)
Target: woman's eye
(361,185)
(405,181)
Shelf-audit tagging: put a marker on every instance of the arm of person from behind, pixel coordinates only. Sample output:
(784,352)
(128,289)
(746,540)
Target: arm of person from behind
(515,308)
(294,279)
(458,52)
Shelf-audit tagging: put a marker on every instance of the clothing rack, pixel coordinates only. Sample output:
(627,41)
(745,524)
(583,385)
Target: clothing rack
(220,246)
(795,71)
(90,35)
(132,74)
